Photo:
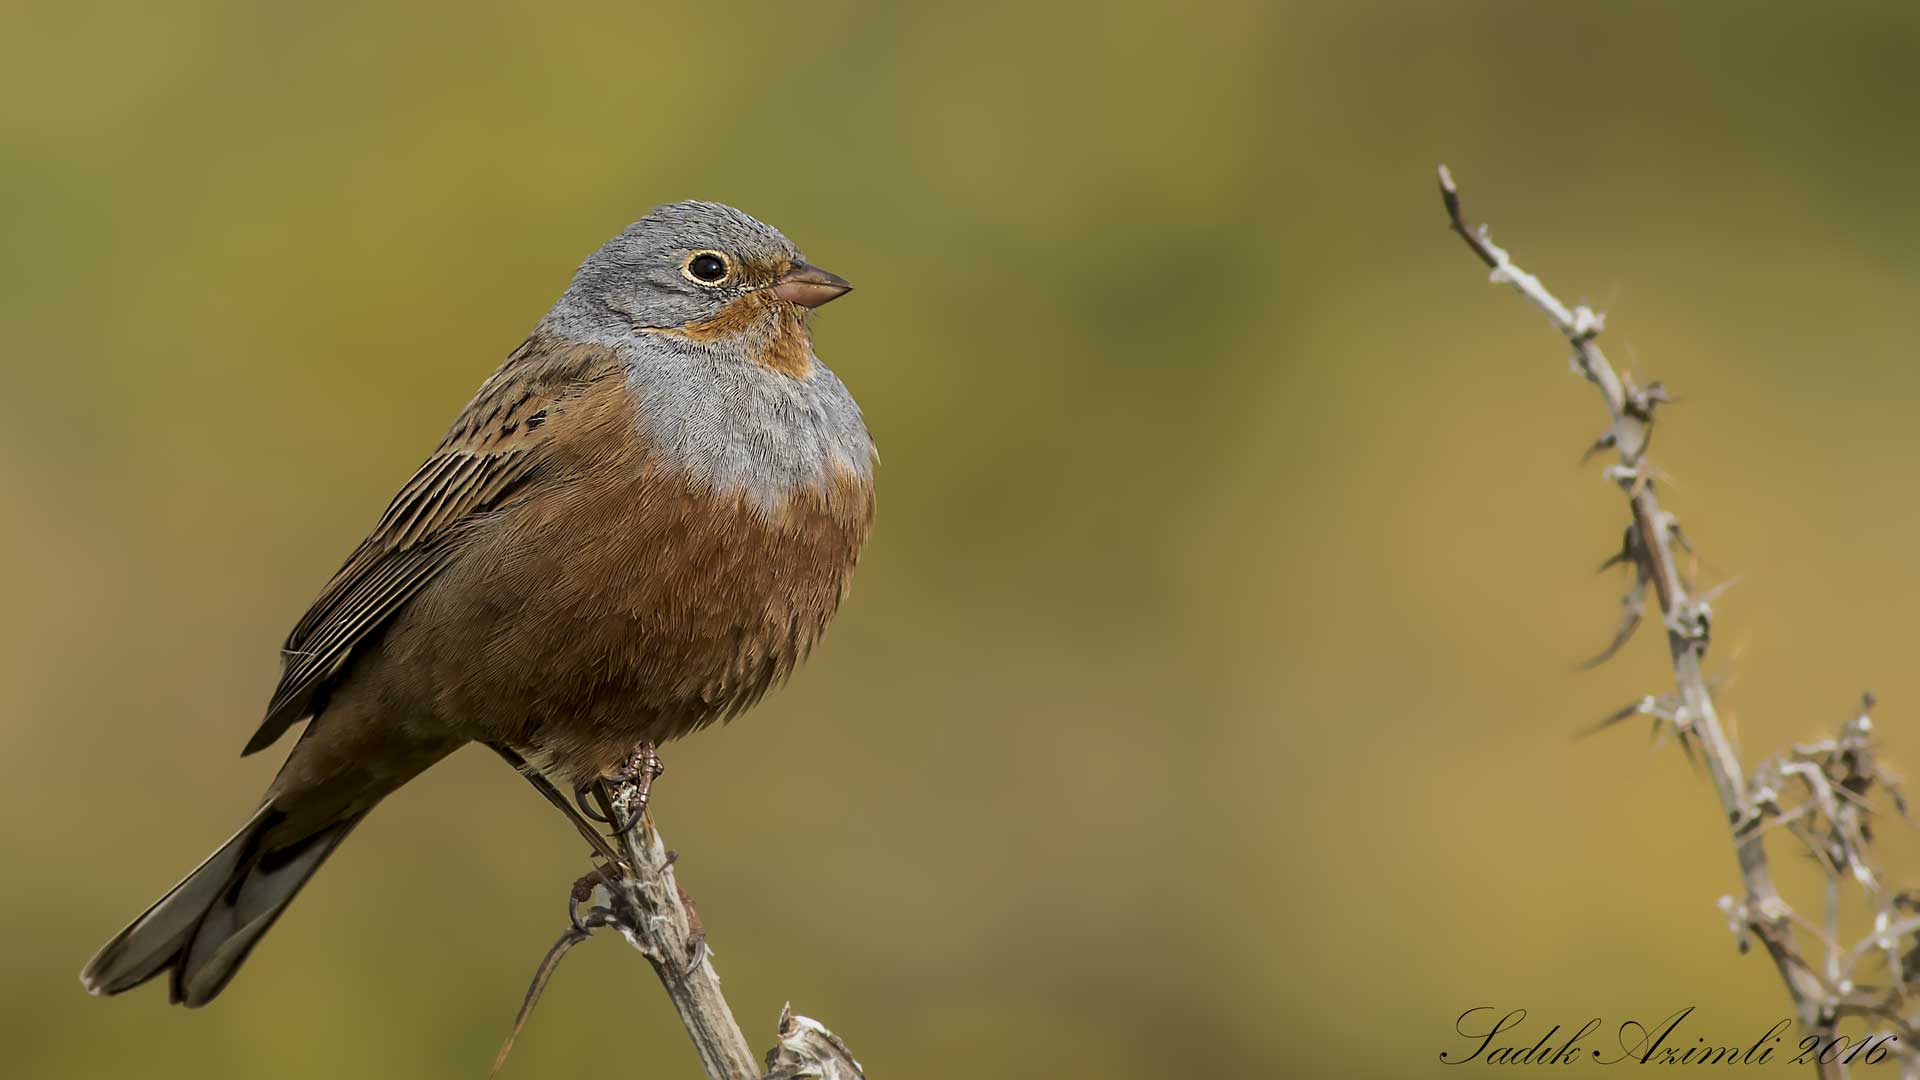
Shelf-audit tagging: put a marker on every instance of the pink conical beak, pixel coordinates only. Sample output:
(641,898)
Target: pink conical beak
(810,286)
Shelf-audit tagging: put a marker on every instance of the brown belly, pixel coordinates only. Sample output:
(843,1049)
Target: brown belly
(620,605)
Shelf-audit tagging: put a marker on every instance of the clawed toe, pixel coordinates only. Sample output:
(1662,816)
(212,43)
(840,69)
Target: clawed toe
(642,766)
(582,892)
(633,821)
(586,809)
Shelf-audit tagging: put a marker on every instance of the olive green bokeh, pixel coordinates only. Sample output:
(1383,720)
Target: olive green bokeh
(1204,704)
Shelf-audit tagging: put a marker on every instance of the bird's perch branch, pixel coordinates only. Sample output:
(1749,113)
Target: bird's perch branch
(639,897)
(656,918)
(1834,778)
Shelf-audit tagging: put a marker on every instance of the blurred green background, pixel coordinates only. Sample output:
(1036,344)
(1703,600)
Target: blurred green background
(1204,705)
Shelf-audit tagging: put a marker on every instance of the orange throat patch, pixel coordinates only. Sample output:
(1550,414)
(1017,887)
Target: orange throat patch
(772,332)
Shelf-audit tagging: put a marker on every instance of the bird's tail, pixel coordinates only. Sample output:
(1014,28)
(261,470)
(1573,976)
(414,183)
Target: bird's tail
(204,928)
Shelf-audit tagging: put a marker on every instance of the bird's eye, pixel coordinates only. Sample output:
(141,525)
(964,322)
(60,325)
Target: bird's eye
(707,267)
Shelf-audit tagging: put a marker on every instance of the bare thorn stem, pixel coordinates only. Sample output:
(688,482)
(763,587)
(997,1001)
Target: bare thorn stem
(1835,827)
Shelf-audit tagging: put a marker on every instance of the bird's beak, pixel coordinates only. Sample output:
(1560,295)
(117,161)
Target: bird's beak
(810,286)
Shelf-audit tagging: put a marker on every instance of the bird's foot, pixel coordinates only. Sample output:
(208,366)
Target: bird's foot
(642,766)
(630,783)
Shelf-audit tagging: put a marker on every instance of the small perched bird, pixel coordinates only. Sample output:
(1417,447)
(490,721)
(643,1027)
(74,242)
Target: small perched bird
(643,520)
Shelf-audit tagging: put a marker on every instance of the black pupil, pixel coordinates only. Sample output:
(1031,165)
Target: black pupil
(708,267)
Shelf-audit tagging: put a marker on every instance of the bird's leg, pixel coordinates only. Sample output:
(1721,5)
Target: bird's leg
(642,765)
(632,782)
(552,794)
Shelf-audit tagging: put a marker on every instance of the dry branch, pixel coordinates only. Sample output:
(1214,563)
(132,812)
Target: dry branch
(1823,794)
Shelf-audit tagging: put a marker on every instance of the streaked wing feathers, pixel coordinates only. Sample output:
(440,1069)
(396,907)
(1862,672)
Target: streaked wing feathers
(492,447)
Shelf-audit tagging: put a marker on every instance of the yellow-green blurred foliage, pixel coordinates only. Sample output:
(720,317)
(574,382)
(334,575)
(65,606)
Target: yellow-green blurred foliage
(1204,704)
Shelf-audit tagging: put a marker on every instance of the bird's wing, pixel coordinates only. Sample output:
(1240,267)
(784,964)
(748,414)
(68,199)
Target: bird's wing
(499,440)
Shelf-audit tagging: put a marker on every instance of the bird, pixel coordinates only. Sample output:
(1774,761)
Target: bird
(643,520)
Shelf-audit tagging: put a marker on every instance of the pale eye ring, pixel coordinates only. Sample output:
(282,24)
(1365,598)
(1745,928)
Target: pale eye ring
(707,268)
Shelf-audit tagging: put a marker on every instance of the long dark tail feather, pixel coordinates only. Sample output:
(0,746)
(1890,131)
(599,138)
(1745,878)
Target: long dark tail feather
(202,929)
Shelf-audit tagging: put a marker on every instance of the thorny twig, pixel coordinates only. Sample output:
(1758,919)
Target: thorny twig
(1822,794)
